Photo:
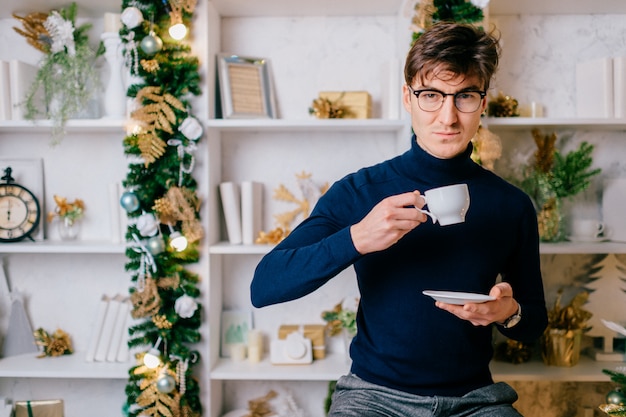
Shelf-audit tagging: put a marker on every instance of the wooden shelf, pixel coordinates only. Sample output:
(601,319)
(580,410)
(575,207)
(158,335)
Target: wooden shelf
(66,366)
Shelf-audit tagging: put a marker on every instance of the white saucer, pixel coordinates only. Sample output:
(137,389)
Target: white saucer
(459,298)
(582,239)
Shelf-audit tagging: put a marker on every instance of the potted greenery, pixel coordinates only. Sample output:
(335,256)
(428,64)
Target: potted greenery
(566,325)
(66,77)
(553,177)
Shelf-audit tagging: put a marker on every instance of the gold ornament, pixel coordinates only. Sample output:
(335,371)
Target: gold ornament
(161,322)
(146,302)
(169,282)
(503,106)
(309,192)
(150,65)
(180,204)
(177,7)
(272,237)
(323,108)
(423,16)
(158,113)
(514,351)
(487,148)
(152,147)
(34,30)
(549,219)
(260,407)
(55,344)
(544,155)
(156,403)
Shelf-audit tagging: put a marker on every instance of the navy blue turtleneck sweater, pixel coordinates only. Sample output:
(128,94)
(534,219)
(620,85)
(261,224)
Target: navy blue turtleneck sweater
(403,341)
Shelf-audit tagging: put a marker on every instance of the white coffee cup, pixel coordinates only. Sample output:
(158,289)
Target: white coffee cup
(587,228)
(447,205)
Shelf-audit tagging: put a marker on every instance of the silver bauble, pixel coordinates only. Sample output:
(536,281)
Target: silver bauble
(616,397)
(156,245)
(151,44)
(166,383)
(129,201)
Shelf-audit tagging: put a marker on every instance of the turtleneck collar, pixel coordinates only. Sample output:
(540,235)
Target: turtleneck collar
(421,166)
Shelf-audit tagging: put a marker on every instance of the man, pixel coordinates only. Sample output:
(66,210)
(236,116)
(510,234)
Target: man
(413,356)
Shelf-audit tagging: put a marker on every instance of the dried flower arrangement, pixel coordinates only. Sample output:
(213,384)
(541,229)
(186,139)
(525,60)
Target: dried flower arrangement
(66,76)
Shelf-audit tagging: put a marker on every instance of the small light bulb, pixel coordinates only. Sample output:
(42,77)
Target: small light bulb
(178,31)
(151,358)
(178,242)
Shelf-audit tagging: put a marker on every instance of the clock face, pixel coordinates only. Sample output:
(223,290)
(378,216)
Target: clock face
(19,212)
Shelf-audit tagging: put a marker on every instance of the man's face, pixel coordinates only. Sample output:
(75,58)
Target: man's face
(446,132)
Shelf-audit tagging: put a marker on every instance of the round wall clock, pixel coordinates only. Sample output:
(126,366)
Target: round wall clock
(19,210)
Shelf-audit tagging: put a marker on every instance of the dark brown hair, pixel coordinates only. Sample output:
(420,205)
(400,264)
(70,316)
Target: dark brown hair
(459,48)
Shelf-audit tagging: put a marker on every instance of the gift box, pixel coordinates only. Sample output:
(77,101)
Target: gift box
(39,408)
(358,103)
(315,332)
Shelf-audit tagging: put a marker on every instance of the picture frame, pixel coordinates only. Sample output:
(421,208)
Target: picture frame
(246,90)
(235,326)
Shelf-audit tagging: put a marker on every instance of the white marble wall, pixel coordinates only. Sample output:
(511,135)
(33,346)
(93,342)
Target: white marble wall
(540,55)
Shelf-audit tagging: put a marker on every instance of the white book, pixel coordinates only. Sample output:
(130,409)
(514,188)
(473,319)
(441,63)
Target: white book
(101,311)
(107,330)
(231,206)
(123,351)
(119,329)
(594,88)
(21,77)
(5,92)
(619,87)
(251,211)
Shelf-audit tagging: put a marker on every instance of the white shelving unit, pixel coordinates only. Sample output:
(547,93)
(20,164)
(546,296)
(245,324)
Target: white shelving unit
(268,150)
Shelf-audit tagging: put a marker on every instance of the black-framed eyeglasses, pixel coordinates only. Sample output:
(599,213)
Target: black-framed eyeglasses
(432,100)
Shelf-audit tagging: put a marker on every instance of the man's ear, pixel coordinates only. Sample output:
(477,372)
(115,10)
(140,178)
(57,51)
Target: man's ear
(406,98)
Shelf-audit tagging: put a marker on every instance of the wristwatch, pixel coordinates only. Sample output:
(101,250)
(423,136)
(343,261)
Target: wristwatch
(514,319)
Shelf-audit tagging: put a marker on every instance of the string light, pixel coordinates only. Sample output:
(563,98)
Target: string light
(152,358)
(178,242)
(178,31)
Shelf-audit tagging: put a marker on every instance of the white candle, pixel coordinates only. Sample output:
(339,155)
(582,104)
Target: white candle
(536,110)
(255,354)
(238,352)
(112,22)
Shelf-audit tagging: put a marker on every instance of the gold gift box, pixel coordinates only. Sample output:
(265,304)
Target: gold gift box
(315,332)
(39,408)
(358,103)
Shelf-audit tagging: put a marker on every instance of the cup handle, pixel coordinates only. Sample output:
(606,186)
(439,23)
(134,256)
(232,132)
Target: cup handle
(432,216)
(428,213)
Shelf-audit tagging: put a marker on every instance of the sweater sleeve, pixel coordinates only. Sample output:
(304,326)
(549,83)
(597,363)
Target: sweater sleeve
(524,275)
(313,253)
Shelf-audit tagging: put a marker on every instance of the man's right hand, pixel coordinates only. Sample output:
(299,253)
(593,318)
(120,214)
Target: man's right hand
(388,222)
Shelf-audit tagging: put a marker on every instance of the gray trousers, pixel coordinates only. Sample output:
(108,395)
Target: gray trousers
(354,397)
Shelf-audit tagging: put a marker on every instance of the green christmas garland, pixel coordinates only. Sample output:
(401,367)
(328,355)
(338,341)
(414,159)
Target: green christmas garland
(161,202)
